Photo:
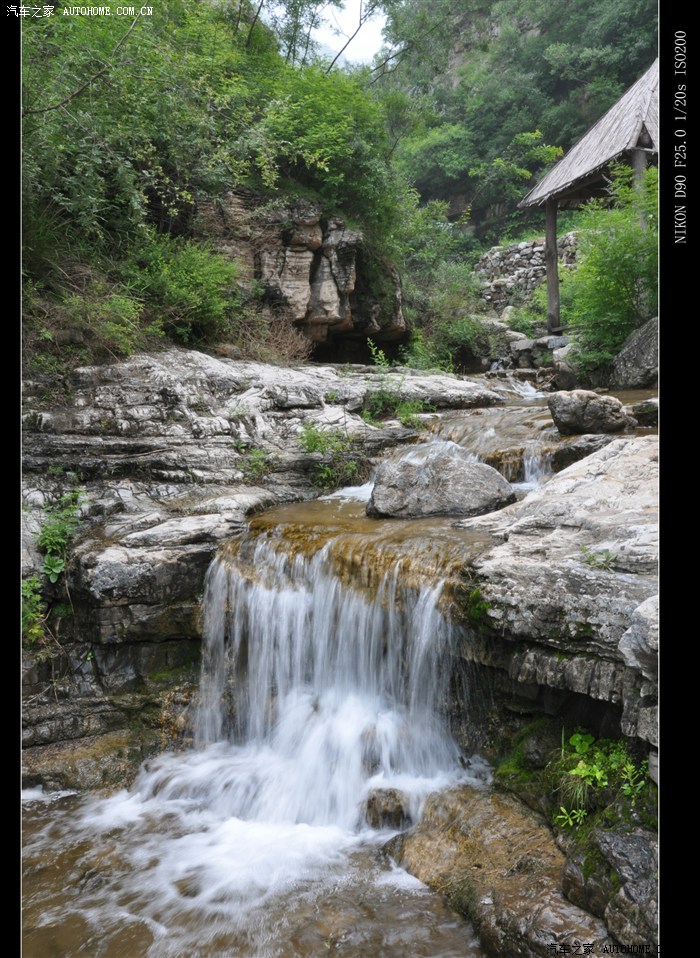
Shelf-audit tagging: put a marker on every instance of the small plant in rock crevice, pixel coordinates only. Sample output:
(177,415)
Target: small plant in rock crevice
(342,464)
(33,611)
(256,465)
(60,525)
(591,775)
(599,560)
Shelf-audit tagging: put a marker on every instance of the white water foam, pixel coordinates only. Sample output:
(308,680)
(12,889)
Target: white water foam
(313,694)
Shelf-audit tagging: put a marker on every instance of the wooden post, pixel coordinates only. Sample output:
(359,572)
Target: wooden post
(552,266)
(639,165)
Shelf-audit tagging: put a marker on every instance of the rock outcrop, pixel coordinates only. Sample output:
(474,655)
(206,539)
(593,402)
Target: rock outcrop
(437,479)
(583,411)
(615,877)
(497,863)
(563,603)
(636,366)
(311,267)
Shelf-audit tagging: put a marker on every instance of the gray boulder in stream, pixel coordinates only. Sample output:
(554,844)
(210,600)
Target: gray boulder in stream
(636,366)
(583,411)
(437,479)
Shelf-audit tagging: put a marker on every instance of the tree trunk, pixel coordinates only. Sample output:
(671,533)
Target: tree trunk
(552,265)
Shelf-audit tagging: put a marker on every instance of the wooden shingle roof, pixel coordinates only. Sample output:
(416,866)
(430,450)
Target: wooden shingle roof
(616,132)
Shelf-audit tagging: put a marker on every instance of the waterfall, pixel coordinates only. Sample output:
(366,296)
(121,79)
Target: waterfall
(339,688)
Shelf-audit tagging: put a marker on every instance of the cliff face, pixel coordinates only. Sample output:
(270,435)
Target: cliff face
(313,269)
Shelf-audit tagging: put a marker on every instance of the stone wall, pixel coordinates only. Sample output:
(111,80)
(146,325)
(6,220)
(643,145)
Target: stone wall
(516,270)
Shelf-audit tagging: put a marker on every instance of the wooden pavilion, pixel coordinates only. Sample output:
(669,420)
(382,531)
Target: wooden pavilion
(628,132)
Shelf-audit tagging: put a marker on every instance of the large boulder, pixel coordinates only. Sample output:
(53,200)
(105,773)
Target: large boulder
(436,479)
(583,411)
(636,366)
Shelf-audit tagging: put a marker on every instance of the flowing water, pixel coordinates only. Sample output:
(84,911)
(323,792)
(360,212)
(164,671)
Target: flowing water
(323,694)
(324,677)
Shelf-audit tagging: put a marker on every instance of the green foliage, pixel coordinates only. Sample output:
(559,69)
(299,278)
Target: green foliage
(60,525)
(340,465)
(523,65)
(255,465)
(614,288)
(53,567)
(599,560)
(340,471)
(32,611)
(569,818)
(408,410)
(378,355)
(190,287)
(315,439)
(476,609)
(592,775)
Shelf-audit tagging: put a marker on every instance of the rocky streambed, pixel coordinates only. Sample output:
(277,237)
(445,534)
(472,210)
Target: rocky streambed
(554,594)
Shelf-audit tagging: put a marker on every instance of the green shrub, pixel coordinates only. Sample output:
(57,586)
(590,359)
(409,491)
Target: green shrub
(190,287)
(32,611)
(315,439)
(60,525)
(341,466)
(614,287)
(111,319)
(255,465)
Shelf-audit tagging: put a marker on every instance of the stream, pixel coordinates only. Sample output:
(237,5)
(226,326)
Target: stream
(320,730)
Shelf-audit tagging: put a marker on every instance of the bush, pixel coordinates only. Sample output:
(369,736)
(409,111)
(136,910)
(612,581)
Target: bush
(32,611)
(190,288)
(339,466)
(614,287)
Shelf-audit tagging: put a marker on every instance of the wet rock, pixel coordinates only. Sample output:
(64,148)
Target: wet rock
(386,808)
(614,877)
(91,762)
(438,478)
(576,449)
(497,863)
(582,411)
(636,366)
(577,560)
(646,412)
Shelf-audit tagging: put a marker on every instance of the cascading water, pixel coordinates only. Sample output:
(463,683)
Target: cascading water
(341,692)
(323,680)
(517,439)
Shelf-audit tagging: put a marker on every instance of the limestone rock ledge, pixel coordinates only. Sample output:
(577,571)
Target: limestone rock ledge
(565,601)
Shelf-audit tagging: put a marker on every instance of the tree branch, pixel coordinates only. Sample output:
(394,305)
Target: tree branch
(89,82)
(364,17)
(255,20)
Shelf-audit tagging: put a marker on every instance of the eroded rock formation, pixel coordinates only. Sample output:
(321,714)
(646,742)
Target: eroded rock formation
(312,268)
